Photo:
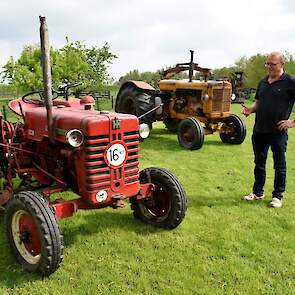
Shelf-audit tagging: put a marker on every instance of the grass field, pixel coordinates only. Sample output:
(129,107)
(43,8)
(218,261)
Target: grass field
(223,246)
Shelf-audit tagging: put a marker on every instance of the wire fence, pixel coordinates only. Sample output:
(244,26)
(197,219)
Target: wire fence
(9,95)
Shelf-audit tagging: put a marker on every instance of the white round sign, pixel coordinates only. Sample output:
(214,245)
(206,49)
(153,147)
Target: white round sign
(101,196)
(116,154)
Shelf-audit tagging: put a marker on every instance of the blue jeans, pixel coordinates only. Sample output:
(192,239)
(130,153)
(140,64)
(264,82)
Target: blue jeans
(278,144)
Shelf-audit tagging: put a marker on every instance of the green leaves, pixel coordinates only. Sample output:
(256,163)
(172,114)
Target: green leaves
(72,63)
(253,68)
(151,78)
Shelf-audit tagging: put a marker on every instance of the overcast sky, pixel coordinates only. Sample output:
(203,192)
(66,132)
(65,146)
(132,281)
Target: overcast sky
(150,34)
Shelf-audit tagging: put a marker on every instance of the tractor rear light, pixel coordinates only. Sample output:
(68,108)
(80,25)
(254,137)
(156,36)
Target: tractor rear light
(75,138)
(144,130)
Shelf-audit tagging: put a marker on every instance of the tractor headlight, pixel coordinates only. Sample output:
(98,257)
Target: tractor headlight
(75,138)
(205,97)
(144,130)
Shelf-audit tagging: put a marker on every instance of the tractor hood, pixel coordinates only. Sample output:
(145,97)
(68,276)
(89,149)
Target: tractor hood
(195,84)
(67,118)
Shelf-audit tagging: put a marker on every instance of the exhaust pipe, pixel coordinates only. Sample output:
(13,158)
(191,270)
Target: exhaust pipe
(191,66)
(46,69)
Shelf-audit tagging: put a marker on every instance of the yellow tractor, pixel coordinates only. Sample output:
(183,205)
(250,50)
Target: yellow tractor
(192,108)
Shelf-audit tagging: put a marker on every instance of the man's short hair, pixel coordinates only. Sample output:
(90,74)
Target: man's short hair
(280,55)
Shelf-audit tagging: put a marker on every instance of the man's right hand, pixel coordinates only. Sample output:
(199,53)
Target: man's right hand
(246,111)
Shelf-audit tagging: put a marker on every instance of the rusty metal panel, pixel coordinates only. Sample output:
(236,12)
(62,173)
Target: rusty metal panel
(217,100)
(226,100)
(142,85)
(221,100)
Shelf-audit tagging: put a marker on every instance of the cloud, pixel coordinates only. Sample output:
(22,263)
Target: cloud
(150,34)
(287,6)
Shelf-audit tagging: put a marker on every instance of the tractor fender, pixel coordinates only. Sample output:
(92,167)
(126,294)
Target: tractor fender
(136,84)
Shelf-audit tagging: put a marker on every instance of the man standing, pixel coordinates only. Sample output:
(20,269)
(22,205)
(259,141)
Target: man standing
(273,105)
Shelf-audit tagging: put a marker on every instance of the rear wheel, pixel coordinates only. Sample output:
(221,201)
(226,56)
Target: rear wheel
(190,134)
(33,233)
(167,205)
(233,130)
(132,100)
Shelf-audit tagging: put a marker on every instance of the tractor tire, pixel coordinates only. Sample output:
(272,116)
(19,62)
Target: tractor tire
(167,205)
(33,233)
(132,100)
(234,130)
(190,134)
(171,124)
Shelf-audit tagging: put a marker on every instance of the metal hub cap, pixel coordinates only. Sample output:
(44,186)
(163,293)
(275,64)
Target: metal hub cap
(26,237)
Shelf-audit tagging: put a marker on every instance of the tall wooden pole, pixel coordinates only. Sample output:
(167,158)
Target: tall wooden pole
(46,69)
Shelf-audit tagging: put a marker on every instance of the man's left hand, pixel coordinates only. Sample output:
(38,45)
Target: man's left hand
(285,124)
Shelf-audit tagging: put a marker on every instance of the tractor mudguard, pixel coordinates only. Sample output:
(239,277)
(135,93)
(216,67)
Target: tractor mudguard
(136,84)
(139,84)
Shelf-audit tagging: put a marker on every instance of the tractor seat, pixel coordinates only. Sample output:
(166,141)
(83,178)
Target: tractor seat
(14,105)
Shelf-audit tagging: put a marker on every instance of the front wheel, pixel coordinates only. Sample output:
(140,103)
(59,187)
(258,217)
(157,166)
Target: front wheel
(190,134)
(33,233)
(233,130)
(167,205)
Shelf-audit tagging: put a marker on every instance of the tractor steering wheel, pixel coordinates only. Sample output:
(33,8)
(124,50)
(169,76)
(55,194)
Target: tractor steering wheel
(63,91)
(28,98)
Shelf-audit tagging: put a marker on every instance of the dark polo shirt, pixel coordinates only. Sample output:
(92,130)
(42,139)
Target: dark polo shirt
(275,103)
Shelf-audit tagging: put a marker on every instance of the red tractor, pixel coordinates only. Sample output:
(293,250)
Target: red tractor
(63,144)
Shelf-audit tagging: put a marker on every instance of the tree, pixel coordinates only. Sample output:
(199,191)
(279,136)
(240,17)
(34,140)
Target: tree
(151,78)
(25,73)
(74,62)
(290,63)
(148,77)
(253,68)
(223,73)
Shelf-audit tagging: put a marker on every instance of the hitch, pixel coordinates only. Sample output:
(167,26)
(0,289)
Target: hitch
(118,202)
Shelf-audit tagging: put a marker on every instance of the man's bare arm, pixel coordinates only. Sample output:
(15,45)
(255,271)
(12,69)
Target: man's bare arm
(251,109)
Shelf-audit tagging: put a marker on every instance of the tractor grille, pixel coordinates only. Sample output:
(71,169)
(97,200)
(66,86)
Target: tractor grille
(97,171)
(98,174)
(131,166)
(221,100)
